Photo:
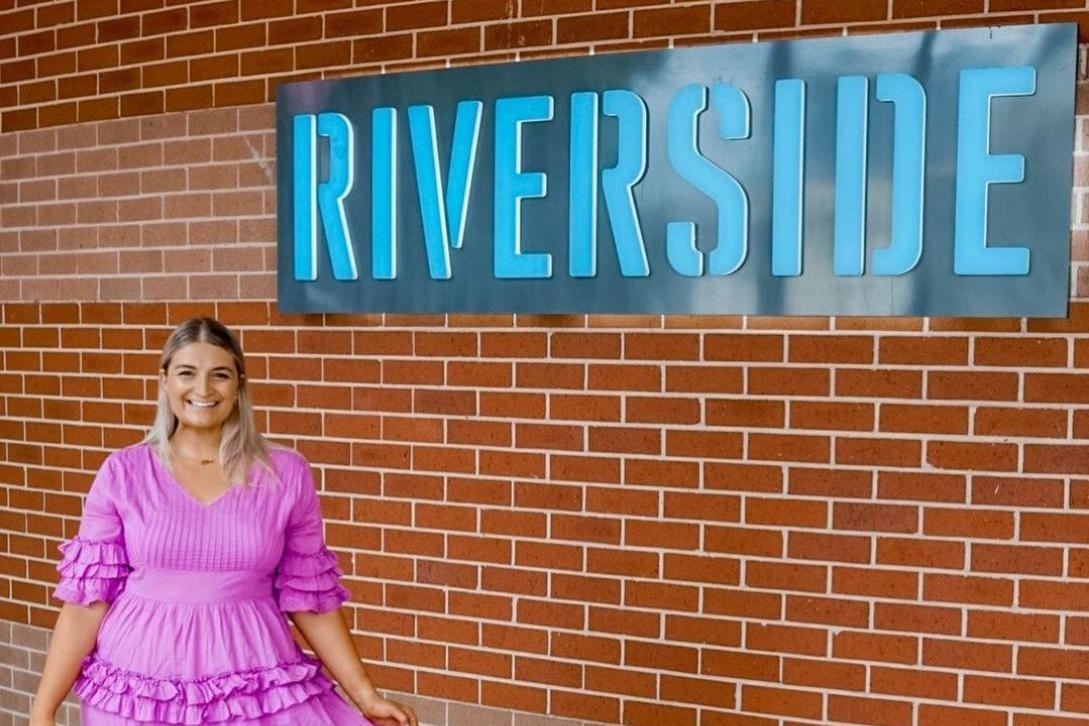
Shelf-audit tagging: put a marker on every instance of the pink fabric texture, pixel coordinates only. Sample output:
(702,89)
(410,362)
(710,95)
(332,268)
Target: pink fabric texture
(196,631)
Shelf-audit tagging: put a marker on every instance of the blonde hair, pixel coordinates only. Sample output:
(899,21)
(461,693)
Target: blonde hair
(241,444)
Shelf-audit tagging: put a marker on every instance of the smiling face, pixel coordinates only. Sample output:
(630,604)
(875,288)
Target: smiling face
(201,385)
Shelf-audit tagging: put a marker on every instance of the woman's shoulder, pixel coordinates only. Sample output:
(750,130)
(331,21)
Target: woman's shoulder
(286,460)
(128,456)
(116,472)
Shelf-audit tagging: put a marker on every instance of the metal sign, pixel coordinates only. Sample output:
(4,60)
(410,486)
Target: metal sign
(920,173)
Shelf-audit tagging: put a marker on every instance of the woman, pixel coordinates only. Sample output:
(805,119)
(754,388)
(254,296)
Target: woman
(192,546)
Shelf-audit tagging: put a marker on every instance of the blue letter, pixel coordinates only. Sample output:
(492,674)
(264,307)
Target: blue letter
(384,193)
(732,108)
(305,181)
(908,163)
(425,155)
(331,193)
(462,164)
(850,215)
(977,169)
(513,185)
(788,165)
(582,205)
(631,163)
(440,219)
(328,196)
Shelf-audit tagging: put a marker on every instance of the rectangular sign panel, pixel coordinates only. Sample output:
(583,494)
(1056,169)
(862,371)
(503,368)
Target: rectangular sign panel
(900,174)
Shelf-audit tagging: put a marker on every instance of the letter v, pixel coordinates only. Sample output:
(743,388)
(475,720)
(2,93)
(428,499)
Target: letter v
(444,218)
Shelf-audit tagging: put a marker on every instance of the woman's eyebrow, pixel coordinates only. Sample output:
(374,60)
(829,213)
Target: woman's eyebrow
(217,368)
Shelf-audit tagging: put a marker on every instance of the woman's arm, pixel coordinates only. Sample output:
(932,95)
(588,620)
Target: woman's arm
(328,635)
(73,638)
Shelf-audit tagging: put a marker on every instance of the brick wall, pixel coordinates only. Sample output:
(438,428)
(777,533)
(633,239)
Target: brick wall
(640,519)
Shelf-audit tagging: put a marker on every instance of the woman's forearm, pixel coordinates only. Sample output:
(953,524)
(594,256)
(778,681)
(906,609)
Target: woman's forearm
(332,642)
(73,637)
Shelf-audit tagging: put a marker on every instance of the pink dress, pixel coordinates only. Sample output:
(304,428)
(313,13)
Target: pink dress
(196,630)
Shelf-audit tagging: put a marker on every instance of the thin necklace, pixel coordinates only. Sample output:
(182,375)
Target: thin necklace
(195,458)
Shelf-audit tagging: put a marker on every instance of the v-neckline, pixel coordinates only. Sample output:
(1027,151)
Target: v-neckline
(173,480)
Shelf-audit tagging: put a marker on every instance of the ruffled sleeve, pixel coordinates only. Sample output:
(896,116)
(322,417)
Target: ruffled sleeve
(94,564)
(308,576)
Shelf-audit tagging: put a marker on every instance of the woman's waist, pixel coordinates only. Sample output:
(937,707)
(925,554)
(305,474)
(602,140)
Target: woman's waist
(198,586)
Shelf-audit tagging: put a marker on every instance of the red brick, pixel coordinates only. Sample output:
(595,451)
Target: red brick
(913,682)
(1057,459)
(754,15)
(742,477)
(746,412)
(875,517)
(882,647)
(268,61)
(921,8)
(829,547)
(1017,491)
(1064,388)
(781,701)
(1054,595)
(831,416)
(599,26)
(624,440)
(524,34)
(186,44)
(999,625)
(255,9)
(963,654)
(845,483)
(704,444)
(671,21)
(879,383)
(1017,559)
(1020,351)
(743,347)
(878,452)
(1054,527)
(828,611)
(1043,423)
(661,346)
(236,37)
(823,674)
(1075,697)
(585,345)
(472,11)
(830,349)
(972,386)
(907,418)
(972,456)
(917,618)
(789,381)
(786,576)
(975,523)
(916,350)
(661,472)
(386,47)
(967,589)
(817,12)
(919,486)
(456,41)
(920,553)
(322,55)
(786,639)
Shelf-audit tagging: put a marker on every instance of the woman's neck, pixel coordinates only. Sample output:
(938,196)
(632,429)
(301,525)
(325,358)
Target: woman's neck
(197,442)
